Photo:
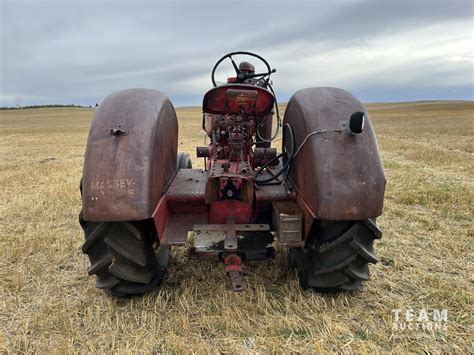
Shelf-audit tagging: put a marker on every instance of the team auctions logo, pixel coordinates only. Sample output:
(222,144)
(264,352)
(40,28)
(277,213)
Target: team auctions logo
(426,320)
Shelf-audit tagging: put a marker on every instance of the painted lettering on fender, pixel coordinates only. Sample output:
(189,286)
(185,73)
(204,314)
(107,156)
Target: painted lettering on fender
(103,186)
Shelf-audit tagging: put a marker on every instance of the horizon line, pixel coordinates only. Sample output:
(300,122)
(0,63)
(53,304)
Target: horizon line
(194,106)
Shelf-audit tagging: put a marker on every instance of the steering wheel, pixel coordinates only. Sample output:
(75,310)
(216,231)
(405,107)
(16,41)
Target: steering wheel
(241,76)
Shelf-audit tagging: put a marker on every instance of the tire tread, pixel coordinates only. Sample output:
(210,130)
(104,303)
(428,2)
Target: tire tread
(122,256)
(338,255)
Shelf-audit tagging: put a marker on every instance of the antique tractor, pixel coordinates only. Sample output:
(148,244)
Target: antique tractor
(318,197)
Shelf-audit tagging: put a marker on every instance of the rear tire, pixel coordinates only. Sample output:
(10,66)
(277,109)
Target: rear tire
(337,256)
(123,256)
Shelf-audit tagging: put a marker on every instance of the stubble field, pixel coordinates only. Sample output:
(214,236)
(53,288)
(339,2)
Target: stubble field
(49,304)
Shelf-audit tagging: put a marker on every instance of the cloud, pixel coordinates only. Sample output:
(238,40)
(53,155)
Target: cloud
(79,51)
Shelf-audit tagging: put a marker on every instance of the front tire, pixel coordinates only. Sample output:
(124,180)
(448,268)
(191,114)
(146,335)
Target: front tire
(337,256)
(184,161)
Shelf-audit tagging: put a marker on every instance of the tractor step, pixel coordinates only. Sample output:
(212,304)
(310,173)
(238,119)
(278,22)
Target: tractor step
(178,226)
(181,207)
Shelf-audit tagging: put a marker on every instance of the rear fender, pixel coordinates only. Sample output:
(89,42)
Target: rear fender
(339,176)
(130,156)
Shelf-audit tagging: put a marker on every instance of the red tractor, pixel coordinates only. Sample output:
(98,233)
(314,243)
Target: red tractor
(318,197)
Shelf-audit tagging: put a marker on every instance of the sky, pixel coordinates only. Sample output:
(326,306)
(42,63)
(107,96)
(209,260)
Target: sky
(78,52)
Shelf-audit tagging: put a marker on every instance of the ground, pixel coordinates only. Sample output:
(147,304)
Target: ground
(49,304)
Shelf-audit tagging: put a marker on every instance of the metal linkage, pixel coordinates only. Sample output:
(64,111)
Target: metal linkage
(230,241)
(233,267)
(232,261)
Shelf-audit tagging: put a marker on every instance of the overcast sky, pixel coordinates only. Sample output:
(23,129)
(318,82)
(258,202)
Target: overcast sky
(80,51)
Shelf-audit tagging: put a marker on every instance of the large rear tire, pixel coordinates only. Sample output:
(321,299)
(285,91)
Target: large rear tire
(337,256)
(124,256)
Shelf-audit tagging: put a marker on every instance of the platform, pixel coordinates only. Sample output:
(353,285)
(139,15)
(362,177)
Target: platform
(183,204)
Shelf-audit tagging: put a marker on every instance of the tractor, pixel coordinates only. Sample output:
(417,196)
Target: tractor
(318,197)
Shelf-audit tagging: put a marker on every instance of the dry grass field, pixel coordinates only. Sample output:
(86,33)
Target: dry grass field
(49,304)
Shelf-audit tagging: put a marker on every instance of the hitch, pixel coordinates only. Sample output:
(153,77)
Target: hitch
(233,267)
(232,261)
(231,243)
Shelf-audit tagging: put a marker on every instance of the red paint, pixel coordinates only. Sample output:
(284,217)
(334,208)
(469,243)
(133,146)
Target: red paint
(233,263)
(231,98)
(160,216)
(219,211)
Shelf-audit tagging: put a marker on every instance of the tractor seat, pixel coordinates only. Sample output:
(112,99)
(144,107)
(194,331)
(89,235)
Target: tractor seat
(245,99)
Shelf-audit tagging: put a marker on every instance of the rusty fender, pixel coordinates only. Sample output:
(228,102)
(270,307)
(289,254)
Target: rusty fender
(130,156)
(338,175)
